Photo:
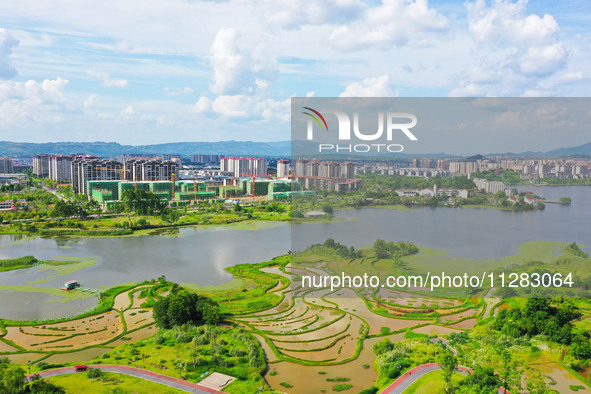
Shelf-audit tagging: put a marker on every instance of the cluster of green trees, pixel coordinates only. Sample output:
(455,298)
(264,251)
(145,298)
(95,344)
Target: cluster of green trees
(67,209)
(540,316)
(487,380)
(386,250)
(575,250)
(330,246)
(142,202)
(184,307)
(12,381)
(378,186)
(565,182)
(391,358)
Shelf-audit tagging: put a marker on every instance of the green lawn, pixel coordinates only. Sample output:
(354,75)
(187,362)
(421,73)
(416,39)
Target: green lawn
(80,383)
(432,383)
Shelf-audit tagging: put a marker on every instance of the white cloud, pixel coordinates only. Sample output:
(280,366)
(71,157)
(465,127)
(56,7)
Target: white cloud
(505,22)
(32,101)
(237,70)
(128,111)
(7,41)
(293,14)
(543,61)
(123,46)
(233,69)
(571,77)
(254,107)
(203,105)
(89,103)
(515,53)
(370,87)
(393,23)
(178,92)
(106,80)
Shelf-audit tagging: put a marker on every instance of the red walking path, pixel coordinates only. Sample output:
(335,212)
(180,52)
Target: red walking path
(138,373)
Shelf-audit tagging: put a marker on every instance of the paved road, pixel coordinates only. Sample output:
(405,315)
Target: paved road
(404,382)
(139,373)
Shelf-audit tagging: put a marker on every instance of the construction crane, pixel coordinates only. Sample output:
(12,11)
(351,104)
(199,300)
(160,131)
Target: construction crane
(173,180)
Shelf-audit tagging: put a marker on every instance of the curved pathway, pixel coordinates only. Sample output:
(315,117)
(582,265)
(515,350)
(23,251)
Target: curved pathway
(411,376)
(178,384)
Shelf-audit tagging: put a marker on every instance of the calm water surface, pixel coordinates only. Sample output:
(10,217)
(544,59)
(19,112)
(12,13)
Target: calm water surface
(200,255)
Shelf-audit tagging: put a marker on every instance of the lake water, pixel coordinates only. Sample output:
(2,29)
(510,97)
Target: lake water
(200,255)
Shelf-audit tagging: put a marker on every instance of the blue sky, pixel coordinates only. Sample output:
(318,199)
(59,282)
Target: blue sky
(141,72)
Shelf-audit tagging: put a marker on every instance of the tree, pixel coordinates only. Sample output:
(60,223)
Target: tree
(482,380)
(12,378)
(160,313)
(379,247)
(142,202)
(43,387)
(510,374)
(211,313)
(327,208)
(448,363)
(184,307)
(535,382)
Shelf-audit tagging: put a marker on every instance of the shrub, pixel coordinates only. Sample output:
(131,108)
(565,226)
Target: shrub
(371,390)
(94,373)
(393,372)
(235,352)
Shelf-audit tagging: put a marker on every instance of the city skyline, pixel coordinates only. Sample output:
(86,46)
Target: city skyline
(210,71)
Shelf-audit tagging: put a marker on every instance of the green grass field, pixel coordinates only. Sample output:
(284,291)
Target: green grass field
(432,383)
(113,382)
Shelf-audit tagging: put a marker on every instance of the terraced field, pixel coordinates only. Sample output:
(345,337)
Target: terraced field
(320,327)
(127,319)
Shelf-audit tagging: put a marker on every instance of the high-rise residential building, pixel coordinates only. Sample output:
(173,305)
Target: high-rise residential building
(329,169)
(347,170)
(425,163)
(60,167)
(463,167)
(150,170)
(158,170)
(241,167)
(137,156)
(282,168)
(6,166)
(415,163)
(41,165)
(84,170)
(325,169)
(207,159)
(172,156)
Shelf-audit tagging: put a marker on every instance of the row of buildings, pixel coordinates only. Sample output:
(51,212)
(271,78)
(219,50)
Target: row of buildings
(492,187)
(183,192)
(78,170)
(435,191)
(325,175)
(244,167)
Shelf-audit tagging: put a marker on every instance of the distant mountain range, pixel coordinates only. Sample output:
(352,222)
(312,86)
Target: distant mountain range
(112,149)
(230,148)
(574,151)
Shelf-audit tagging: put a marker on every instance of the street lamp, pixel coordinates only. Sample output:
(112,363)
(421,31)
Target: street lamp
(181,370)
(29,366)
